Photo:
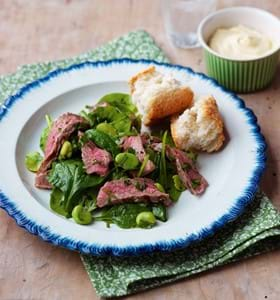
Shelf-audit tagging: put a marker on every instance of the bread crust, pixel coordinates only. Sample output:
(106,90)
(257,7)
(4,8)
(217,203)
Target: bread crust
(168,103)
(140,74)
(176,138)
(165,103)
(209,111)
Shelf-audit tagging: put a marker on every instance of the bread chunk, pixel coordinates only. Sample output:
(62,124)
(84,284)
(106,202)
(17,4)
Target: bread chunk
(158,95)
(200,127)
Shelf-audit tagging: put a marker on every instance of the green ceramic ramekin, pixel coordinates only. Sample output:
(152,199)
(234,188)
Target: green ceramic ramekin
(242,76)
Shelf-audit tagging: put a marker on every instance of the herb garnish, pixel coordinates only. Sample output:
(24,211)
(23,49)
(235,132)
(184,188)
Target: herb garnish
(195,183)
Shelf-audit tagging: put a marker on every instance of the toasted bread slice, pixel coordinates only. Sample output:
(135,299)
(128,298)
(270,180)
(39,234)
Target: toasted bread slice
(158,95)
(200,127)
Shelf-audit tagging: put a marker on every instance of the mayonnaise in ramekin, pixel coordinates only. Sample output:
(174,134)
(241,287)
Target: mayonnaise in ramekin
(241,42)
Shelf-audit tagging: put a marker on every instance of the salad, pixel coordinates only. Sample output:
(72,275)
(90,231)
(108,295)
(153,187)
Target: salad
(99,166)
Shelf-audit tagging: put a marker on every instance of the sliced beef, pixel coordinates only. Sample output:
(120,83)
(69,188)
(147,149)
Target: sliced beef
(61,130)
(135,143)
(131,190)
(148,139)
(42,181)
(96,160)
(187,171)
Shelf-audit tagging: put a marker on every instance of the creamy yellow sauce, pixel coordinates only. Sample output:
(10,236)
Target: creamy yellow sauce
(241,42)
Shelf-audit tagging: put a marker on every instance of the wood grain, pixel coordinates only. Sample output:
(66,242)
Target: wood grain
(33,31)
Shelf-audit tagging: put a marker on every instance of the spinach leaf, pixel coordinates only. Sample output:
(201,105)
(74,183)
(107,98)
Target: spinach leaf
(102,140)
(152,154)
(124,127)
(88,118)
(45,133)
(118,173)
(113,116)
(106,113)
(121,101)
(119,113)
(76,147)
(70,178)
(159,211)
(173,193)
(107,128)
(137,123)
(143,165)
(88,198)
(156,159)
(57,204)
(43,138)
(123,215)
(169,139)
(90,204)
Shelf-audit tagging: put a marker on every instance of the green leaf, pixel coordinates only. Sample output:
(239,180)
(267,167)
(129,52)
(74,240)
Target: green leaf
(106,114)
(45,133)
(196,183)
(33,161)
(123,215)
(169,139)
(76,145)
(87,117)
(102,140)
(43,138)
(57,204)
(123,127)
(156,158)
(121,101)
(174,193)
(159,211)
(119,113)
(119,120)
(143,165)
(107,128)
(70,178)
(90,204)
(118,173)
(153,156)
(192,155)
(137,122)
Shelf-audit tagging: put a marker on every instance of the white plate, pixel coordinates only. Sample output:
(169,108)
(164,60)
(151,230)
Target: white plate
(233,173)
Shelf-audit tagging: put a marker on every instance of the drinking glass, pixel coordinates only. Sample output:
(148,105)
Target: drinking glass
(182,17)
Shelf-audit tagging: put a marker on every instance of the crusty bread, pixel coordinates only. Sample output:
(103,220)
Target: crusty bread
(200,127)
(158,95)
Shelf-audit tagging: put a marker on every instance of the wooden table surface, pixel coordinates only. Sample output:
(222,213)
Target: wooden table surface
(33,31)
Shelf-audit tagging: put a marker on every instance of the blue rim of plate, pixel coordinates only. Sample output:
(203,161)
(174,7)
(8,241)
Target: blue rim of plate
(96,249)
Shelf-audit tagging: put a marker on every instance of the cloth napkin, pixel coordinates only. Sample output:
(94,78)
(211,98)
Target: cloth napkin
(257,230)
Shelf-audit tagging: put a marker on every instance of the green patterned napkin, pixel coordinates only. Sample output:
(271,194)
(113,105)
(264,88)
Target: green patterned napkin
(256,231)
(134,45)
